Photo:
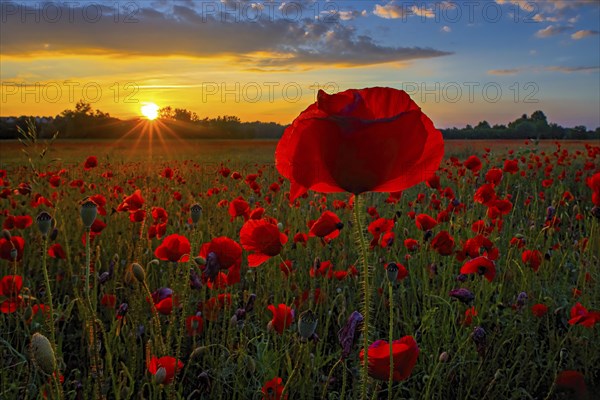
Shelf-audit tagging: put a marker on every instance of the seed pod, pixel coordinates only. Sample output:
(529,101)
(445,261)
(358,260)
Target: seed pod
(43,354)
(444,357)
(307,323)
(138,272)
(392,271)
(44,222)
(160,375)
(196,212)
(88,212)
(6,234)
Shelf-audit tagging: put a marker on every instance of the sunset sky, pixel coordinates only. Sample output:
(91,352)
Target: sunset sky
(462,62)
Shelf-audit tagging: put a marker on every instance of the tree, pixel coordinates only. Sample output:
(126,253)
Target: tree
(539,116)
(483,125)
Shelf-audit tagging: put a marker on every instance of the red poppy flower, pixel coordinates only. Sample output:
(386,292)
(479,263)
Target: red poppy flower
(494,176)
(159,215)
(263,239)
(239,207)
(166,366)
(411,244)
(133,202)
(283,316)
(222,253)
(10,287)
(572,382)
(173,248)
(443,243)
(533,258)
(6,247)
(485,194)
(539,310)
(511,166)
(273,389)
(56,251)
(374,139)
(405,353)
(581,316)
(327,226)
(137,215)
(108,300)
(480,265)
(473,163)
(301,238)
(194,324)
(425,222)
(90,162)
(593,183)
(469,314)
(17,221)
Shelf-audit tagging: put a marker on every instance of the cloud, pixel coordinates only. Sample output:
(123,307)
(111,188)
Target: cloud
(552,30)
(395,11)
(258,40)
(510,71)
(569,70)
(347,15)
(582,34)
(389,11)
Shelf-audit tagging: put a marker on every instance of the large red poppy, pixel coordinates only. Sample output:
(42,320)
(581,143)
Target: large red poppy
(173,248)
(263,239)
(222,253)
(374,139)
(170,365)
(10,287)
(405,352)
(480,265)
(327,226)
(283,316)
(6,247)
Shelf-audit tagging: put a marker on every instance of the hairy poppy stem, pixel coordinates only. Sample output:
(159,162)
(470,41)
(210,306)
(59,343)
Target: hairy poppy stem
(360,239)
(88,257)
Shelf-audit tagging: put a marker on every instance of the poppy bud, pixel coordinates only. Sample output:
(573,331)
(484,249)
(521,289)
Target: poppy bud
(104,277)
(13,253)
(6,235)
(88,212)
(444,357)
(498,375)
(349,334)
(307,324)
(250,364)
(160,375)
(138,272)
(53,234)
(43,354)
(280,226)
(392,271)
(199,260)
(195,212)
(270,327)
(44,222)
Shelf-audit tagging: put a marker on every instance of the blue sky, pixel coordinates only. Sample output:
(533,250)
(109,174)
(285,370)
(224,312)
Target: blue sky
(462,61)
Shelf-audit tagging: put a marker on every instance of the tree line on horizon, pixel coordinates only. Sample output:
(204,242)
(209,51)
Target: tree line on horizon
(84,122)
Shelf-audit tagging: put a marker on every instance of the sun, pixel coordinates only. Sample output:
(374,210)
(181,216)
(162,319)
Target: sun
(149,110)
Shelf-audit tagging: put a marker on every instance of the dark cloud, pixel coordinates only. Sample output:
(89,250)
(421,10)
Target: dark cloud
(244,31)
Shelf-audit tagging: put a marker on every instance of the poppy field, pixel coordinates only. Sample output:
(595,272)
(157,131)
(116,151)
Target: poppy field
(212,277)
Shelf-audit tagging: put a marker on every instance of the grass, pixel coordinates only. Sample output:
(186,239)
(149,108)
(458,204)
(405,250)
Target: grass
(102,356)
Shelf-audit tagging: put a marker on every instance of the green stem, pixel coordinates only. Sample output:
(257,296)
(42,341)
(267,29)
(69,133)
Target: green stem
(88,257)
(391,339)
(360,239)
(48,294)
